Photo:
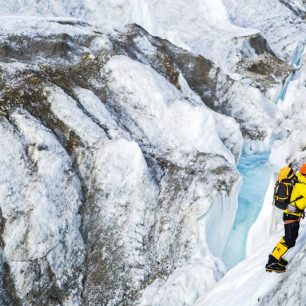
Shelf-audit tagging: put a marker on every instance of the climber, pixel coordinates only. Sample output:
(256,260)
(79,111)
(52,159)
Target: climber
(291,217)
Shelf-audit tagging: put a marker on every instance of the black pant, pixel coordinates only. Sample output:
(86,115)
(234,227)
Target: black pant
(291,229)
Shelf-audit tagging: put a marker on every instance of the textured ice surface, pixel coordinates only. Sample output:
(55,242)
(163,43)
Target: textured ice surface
(248,283)
(290,148)
(203,27)
(256,172)
(167,120)
(40,207)
(296,62)
(281,27)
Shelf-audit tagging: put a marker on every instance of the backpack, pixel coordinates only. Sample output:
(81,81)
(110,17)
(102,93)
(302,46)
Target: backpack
(283,188)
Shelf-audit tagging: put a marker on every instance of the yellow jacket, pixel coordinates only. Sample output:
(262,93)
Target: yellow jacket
(299,189)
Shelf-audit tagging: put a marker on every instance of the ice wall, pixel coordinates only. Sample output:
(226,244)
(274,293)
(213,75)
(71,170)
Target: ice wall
(248,283)
(256,172)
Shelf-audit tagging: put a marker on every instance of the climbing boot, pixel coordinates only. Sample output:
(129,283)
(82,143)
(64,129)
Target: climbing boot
(271,260)
(283,262)
(275,267)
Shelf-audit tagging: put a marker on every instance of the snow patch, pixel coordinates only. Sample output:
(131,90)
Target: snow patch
(168,121)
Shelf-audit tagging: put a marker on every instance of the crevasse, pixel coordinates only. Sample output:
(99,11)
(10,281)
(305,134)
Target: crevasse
(256,172)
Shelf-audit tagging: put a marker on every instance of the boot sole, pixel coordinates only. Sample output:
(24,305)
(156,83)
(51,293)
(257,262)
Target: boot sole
(277,271)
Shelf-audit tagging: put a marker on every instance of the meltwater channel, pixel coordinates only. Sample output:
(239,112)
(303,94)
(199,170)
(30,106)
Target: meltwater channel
(256,173)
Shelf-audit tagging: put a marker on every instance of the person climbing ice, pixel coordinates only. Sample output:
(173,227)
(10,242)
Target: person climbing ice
(289,195)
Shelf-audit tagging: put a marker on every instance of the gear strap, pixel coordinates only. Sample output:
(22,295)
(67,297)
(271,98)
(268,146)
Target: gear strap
(280,249)
(291,221)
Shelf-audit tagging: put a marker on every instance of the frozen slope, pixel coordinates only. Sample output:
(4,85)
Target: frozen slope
(30,241)
(297,6)
(249,284)
(289,148)
(204,27)
(240,99)
(282,27)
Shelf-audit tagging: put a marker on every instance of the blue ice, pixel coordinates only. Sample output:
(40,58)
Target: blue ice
(296,63)
(256,173)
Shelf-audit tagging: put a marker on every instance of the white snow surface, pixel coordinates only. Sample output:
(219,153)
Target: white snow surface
(291,147)
(203,27)
(41,209)
(249,284)
(36,26)
(279,25)
(168,121)
(184,286)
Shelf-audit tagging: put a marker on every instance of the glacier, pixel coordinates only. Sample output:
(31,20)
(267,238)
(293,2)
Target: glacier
(122,124)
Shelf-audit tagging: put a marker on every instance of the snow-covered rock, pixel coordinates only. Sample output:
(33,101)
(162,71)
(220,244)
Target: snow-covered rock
(281,27)
(40,200)
(116,172)
(238,98)
(203,27)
